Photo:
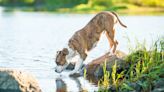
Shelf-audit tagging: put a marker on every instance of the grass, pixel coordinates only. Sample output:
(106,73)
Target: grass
(85,73)
(110,80)
(146,67)
(104,83)
(121,8)
(132,9)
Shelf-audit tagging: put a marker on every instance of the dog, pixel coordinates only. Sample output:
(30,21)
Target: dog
(86,39)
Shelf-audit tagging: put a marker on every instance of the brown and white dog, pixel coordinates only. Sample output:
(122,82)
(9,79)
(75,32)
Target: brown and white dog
(86,38)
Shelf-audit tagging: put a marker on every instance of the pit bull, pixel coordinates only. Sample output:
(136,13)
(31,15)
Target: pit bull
(86,39)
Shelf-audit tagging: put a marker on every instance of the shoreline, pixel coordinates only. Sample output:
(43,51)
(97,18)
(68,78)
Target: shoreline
(126,11)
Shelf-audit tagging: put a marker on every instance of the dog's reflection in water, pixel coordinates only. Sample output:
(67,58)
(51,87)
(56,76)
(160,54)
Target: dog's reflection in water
(63,85)
(60,85)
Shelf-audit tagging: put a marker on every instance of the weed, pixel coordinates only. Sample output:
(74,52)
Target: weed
(146,66)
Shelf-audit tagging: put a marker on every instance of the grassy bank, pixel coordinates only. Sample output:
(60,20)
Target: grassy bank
(124,9)
(145,72)
(130,7)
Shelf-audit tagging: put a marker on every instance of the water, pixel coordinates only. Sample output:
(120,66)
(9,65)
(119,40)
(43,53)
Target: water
(29,41)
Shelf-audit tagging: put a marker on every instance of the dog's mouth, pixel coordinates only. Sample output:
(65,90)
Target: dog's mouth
(58,71)
(60,68)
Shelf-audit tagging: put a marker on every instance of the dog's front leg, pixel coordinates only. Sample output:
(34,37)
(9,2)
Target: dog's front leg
(78,65)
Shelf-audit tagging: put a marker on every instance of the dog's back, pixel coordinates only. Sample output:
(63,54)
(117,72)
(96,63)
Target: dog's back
(86,38)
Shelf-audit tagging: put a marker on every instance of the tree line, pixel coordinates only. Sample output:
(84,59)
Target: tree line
(54,4)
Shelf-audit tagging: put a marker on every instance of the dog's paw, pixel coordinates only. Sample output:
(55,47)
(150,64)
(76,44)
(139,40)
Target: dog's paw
(75,75)
(111,54)
(72,72)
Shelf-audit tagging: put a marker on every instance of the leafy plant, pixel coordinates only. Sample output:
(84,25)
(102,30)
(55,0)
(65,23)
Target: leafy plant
(145,67)
(85,73)
(105,81)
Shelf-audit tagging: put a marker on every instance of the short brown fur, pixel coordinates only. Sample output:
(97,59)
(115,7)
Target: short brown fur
(84,39)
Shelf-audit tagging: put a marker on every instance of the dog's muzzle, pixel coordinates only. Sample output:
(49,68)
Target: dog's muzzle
(60,68)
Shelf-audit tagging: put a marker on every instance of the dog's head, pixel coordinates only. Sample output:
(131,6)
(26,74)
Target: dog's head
(61,61)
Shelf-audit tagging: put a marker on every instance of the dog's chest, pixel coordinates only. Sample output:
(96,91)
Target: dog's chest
(73,56)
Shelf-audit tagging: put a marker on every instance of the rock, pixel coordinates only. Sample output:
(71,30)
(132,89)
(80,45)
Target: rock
(159,85)
(17,81)
(60,85)
(72,65)
(95,68)
(135,86)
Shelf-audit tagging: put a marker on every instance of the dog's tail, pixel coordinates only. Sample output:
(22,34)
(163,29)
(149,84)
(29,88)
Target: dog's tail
(119,20)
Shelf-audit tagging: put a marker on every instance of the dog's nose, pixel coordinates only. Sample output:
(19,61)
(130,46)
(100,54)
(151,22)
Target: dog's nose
(55,70)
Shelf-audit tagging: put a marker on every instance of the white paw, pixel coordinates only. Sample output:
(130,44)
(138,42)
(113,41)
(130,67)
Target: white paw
(73,72)
(111,54)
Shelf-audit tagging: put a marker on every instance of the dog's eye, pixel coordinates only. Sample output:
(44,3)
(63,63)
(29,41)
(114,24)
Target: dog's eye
(59,53)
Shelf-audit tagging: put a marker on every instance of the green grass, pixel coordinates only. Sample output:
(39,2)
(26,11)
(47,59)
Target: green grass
(121,8)
(104,83)
(127,7)
(146,66)
(110,80)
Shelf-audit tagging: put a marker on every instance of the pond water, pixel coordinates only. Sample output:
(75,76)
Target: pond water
(29,41)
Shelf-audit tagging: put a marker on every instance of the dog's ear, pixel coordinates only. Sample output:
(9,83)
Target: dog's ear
(65,51)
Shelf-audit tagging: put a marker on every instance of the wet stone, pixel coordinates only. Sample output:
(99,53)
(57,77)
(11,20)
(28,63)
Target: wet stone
(17,81)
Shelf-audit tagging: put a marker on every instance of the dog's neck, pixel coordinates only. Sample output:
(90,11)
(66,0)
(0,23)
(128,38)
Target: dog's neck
(71,54)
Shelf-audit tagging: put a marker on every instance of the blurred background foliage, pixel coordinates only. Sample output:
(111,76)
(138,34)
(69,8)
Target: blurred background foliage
(77,5)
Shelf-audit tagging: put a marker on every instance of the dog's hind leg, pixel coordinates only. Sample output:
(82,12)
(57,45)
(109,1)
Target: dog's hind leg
(113,43)
(115,46)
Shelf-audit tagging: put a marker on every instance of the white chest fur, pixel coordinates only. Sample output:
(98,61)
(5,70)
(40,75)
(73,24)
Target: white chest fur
(72,56)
